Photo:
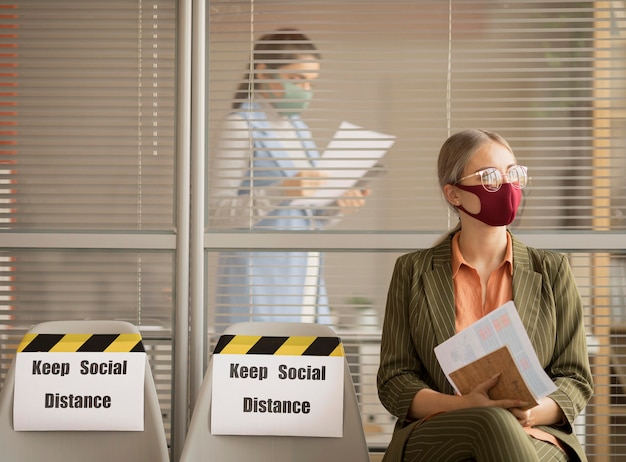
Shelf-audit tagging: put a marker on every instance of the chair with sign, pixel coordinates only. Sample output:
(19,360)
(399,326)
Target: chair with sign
(201,445)
(149,445)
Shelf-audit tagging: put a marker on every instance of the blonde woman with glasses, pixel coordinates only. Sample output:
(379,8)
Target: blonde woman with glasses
(437,292)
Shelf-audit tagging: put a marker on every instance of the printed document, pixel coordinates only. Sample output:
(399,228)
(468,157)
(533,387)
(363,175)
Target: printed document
(350,156)
(496,343)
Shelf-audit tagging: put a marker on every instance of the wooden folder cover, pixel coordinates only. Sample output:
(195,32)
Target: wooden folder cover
(511,384)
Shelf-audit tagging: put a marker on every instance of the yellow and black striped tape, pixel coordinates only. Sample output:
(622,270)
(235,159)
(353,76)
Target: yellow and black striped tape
(288,346)
(86,343)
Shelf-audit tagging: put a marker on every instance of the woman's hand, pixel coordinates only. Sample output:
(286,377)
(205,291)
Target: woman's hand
(304,183)
(547,412)
(479,396)
(352,199)
(524,417)
(427,402)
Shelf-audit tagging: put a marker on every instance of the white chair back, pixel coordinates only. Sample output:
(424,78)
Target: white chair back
(201,445)
(149,445)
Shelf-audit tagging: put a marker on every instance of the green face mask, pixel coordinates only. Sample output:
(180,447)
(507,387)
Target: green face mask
(295,99)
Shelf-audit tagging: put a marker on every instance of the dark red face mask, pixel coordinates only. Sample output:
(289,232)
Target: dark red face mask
(496,208)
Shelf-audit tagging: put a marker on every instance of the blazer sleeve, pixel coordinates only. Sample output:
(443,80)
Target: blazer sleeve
(401,370)
(569,365)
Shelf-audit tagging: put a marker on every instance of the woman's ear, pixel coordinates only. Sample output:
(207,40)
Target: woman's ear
(452,195)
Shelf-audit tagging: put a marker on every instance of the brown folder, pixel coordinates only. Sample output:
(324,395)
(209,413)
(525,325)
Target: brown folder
(511,384)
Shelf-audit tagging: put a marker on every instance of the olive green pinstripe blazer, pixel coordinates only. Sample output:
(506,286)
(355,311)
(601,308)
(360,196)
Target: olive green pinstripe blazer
(420,315)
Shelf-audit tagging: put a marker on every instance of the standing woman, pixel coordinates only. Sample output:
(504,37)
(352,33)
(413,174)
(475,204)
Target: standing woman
(437,292)
(260,177)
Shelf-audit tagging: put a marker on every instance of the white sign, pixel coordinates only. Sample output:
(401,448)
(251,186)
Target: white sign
(277,395)
(79,391)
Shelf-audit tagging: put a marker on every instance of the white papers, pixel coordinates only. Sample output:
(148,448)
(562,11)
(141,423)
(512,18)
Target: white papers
(501,327)
(350,155)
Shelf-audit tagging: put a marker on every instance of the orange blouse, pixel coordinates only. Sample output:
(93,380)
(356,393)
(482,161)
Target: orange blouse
(469,299)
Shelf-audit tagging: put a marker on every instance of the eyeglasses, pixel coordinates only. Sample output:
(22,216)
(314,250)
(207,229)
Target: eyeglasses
(491,178)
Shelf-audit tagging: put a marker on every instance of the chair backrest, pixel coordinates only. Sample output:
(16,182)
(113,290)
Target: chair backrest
(201,445)
(149,445)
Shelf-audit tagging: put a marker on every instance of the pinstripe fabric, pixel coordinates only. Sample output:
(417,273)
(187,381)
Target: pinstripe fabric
(476,442)
(420,315)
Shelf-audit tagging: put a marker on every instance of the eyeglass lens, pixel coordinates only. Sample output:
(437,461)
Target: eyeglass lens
(492,179)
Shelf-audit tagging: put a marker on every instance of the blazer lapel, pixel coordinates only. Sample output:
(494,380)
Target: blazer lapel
(440,293)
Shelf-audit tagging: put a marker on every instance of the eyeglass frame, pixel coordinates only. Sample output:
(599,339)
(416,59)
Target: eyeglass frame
(502,175)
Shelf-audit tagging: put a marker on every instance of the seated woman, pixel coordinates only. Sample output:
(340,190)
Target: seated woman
(437,292)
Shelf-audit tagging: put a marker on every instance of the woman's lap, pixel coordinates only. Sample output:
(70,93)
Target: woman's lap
(479,434)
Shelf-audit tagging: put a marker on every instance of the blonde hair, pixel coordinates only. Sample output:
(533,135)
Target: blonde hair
(455,154)
(458,149)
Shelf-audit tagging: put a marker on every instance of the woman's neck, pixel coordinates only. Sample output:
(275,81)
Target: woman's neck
(483,246)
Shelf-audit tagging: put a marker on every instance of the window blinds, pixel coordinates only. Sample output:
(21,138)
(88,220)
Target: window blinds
(87,134)
(91,106)
(87,120)
(547,75)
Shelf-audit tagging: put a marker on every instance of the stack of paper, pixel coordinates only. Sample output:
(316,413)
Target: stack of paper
(350,156)
(495,344)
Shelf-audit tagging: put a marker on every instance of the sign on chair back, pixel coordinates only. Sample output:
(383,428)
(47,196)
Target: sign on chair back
(277,392)
(81,390)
